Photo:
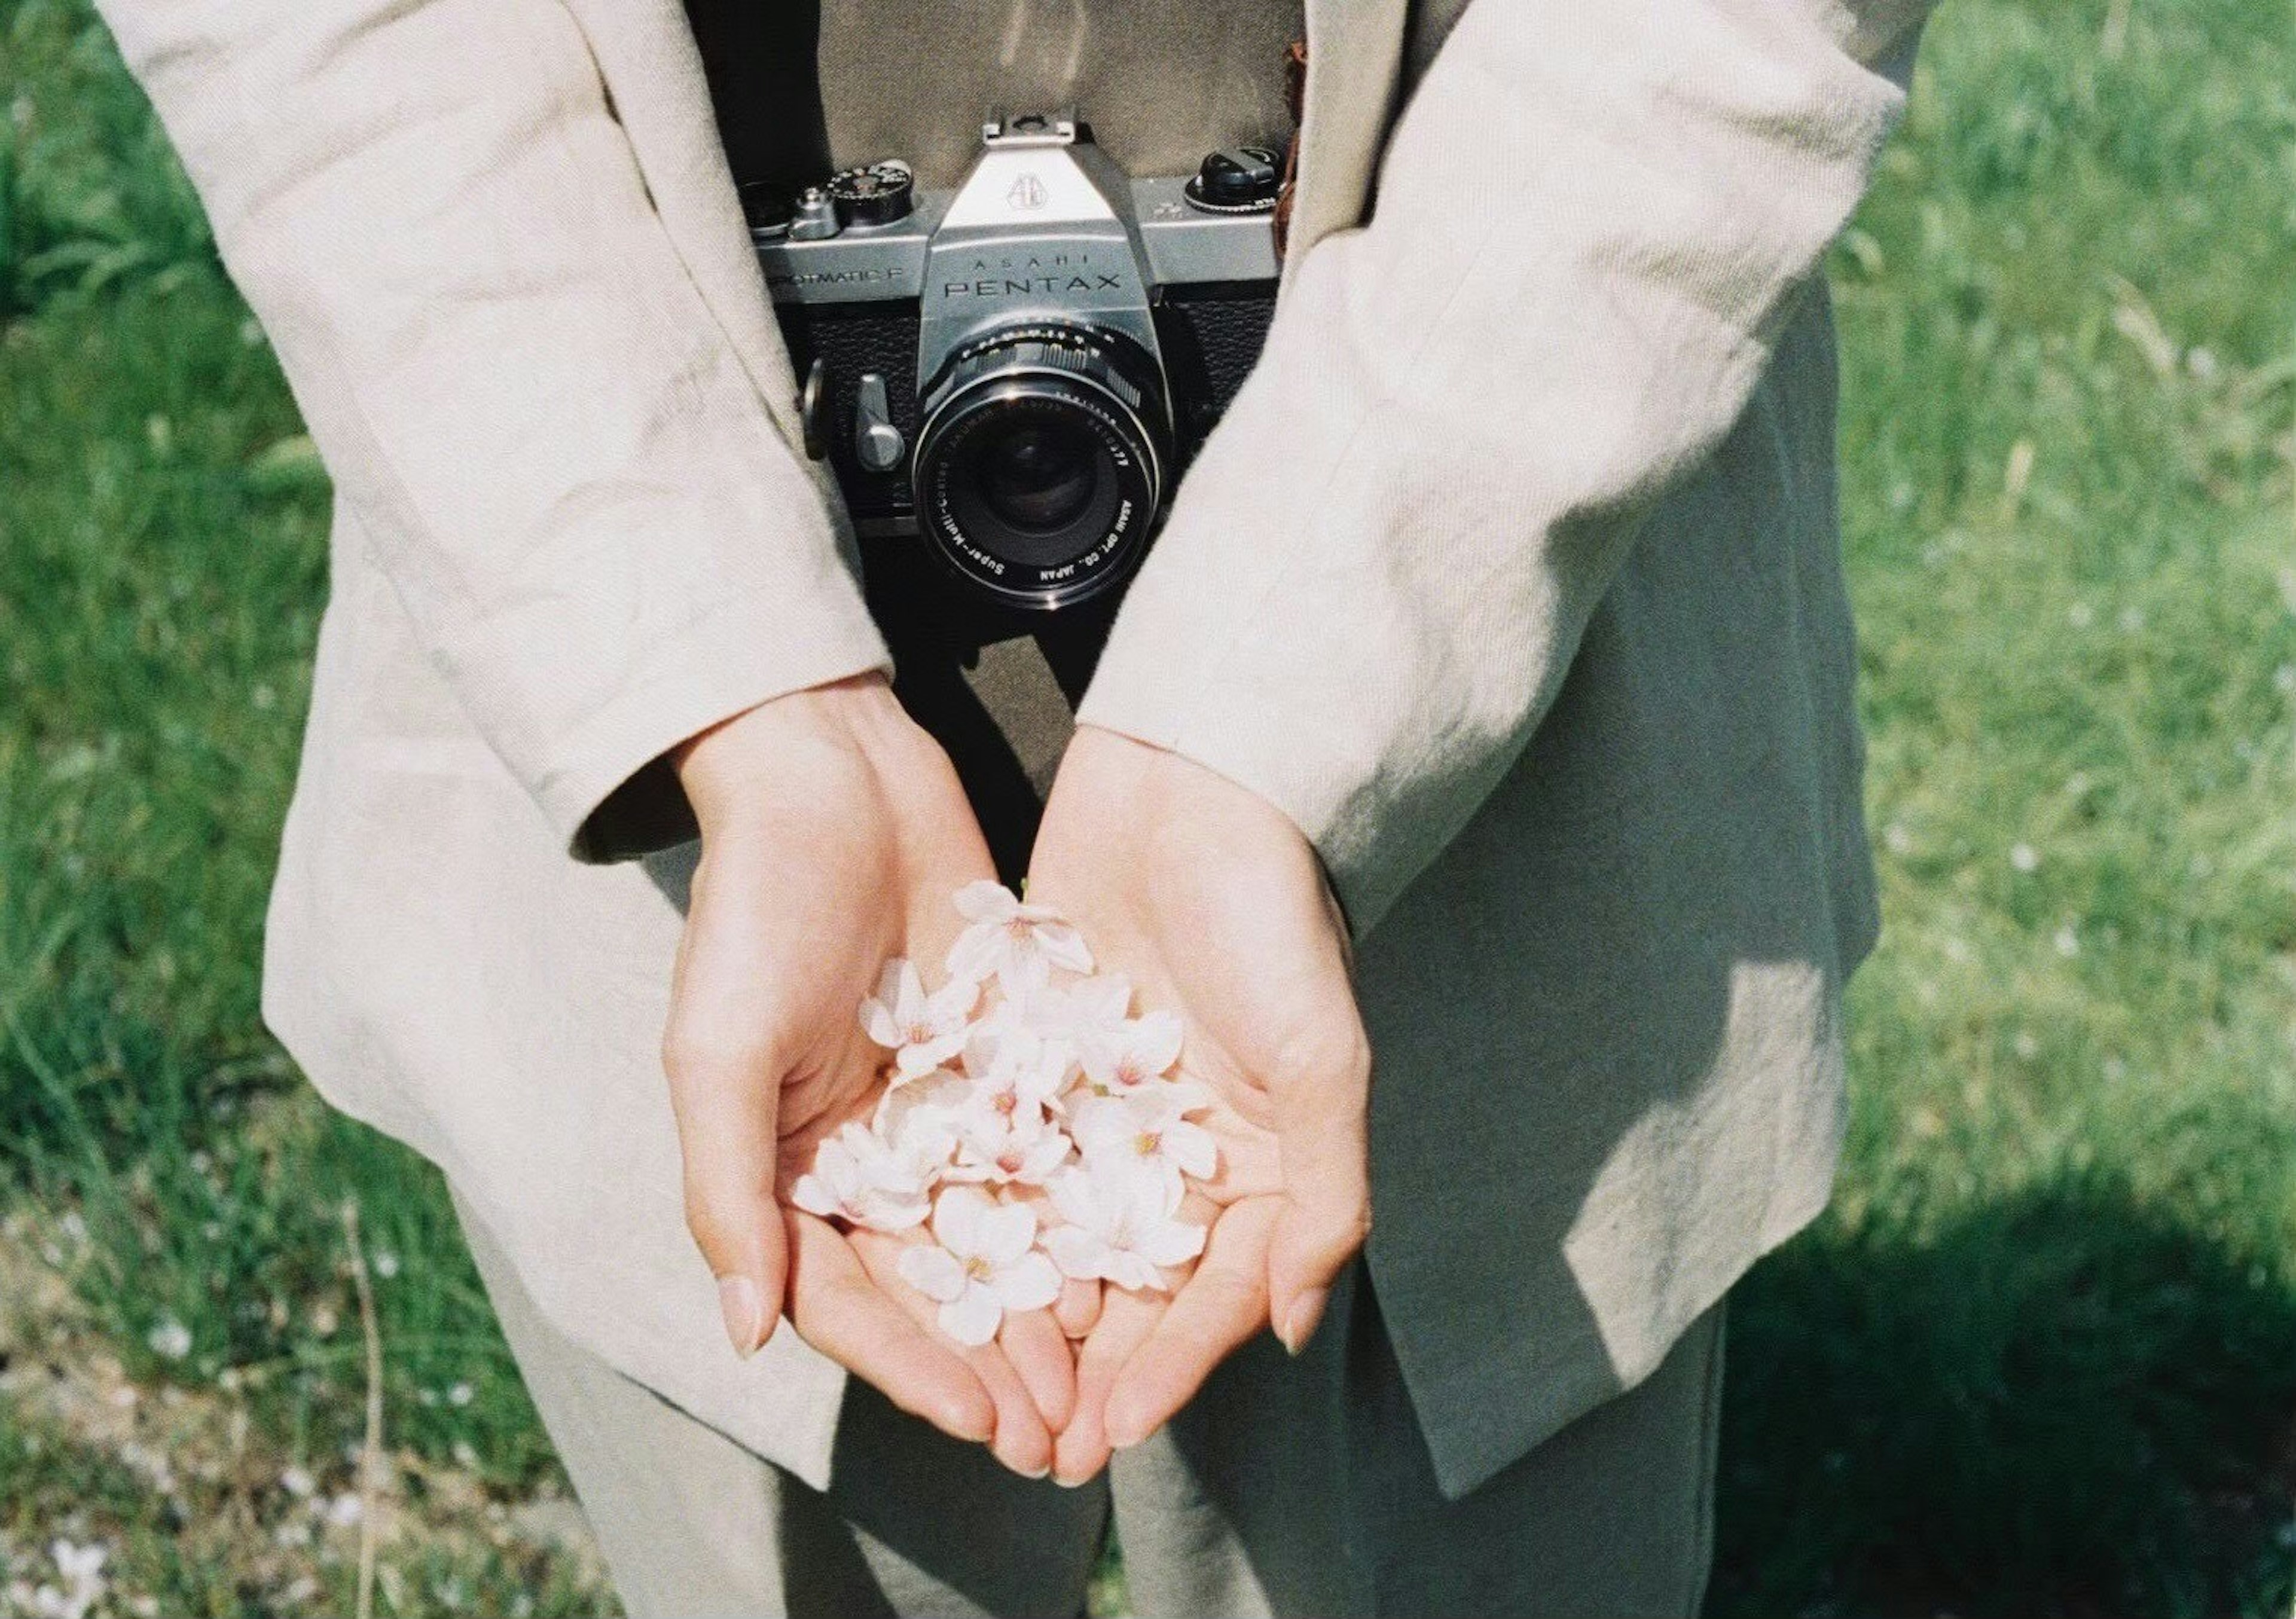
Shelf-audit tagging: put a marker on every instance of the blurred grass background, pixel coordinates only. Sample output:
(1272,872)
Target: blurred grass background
(2039,1360)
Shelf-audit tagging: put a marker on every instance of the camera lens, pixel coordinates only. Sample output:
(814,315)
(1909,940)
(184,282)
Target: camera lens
(1038,475)
(1039,463)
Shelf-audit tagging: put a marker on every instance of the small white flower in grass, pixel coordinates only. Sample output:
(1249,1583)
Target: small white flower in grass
(1123,1226)
(985,1264)
(170,1340)
(80,1568)
(856,1178)
(1018,944)
(1145,1129)
(924,1031)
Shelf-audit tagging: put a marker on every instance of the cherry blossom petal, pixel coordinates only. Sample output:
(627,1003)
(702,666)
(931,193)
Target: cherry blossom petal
(956,1220)
(1130,1271)
(1156,1042)
(1077,1252)
(973,1317)
(1030,1282)
(1174,1242)
(986,901)
(1192,1148)
(882,1013)
(1062,945)
(935,1272)
(1074,1194)
(883,1212)
(816,1196)
(1004,1232)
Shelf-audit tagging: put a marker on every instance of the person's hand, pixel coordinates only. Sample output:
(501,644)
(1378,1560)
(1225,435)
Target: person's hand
(1209,900)
(834,834)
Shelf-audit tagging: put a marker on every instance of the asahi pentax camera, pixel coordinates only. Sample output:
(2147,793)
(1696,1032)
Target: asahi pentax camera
(1015,373)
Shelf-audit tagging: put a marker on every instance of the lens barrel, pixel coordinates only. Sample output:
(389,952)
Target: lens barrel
(1040,457)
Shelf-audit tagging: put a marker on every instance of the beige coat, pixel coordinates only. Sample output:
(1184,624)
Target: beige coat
(1512,577)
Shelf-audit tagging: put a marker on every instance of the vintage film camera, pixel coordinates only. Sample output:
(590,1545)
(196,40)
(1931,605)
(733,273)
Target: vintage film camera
(1015,373)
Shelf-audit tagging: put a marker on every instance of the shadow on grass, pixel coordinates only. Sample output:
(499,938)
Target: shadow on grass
(2062,1403)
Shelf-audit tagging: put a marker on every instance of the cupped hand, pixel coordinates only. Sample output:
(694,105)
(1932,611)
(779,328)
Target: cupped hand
(1211,902)
(833,832)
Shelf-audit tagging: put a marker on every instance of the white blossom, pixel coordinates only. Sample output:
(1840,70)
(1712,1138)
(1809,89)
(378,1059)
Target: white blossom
(1016,943)
(81,1569)
(923,1031)
(1144,1130)
(1005,1083)
(983,1262)
(1122,1227)
(917,1118)
(1015,1077)
(857,1178)
(1087,1010)
(170,1339)
(1136,1053)
(994,1148)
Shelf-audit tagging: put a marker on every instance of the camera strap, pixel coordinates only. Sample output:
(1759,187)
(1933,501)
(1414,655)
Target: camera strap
(1295,95)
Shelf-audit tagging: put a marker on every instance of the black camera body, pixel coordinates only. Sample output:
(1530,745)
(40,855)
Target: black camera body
(1015,374)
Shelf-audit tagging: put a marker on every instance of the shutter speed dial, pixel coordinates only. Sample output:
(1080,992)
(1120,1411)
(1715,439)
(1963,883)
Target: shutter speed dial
(877,194)
(1237,180)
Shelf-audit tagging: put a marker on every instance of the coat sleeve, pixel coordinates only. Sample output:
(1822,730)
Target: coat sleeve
(569,478)
(1591,222)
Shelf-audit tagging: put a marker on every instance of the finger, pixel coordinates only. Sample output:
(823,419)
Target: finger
(724,1101)
(1020,1439)
(1322,1137)
(1216,1310)
(1126,1320)
(839,1309)
(1040,1354)
(1077,1307)
(1023,1442)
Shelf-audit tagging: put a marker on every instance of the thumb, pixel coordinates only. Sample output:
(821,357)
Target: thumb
(1323,1142)
(726,1097)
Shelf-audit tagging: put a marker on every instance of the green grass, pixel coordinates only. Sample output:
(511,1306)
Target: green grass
(2041,1358)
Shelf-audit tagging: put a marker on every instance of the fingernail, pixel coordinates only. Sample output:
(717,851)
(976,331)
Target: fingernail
(1299,1321)
(745,1313)
(1044,1472)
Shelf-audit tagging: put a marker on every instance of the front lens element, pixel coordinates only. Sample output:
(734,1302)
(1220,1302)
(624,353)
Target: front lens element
(1039,464)
(1038,476)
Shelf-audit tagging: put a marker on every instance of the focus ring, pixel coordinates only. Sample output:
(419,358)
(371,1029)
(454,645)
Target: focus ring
(1031,378)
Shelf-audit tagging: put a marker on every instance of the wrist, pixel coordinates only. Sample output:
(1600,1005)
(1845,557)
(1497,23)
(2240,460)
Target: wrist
(782,740)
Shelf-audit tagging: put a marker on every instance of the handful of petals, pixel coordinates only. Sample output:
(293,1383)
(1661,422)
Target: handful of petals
(1031,1128)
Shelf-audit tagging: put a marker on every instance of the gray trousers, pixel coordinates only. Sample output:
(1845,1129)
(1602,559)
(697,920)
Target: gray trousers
(1288,1488)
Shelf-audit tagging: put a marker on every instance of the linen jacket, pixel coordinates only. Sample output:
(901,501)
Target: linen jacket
(1511,575)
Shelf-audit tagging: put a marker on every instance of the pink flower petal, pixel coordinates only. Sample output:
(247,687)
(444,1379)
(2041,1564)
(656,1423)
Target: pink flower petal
(1077,1251)
(956,1220)
(1005,1233)
(935,1272)
(1030,1282)
(974,1318)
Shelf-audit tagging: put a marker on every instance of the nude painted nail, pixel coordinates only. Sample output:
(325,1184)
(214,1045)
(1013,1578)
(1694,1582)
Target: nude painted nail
(745,1313)
(1299,1321)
